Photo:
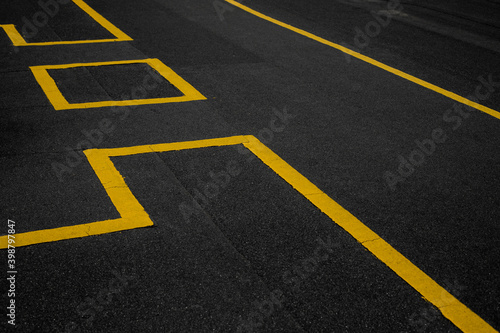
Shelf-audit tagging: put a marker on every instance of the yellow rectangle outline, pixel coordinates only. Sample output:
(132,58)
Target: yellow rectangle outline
(133,216)
(18,40)
(57,100)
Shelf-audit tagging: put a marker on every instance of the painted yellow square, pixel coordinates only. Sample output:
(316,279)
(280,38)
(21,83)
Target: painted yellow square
(57,99)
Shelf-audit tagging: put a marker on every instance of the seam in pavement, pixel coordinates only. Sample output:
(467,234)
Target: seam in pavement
(226,241)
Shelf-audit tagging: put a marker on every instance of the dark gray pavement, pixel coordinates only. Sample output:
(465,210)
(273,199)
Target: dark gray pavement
(256,255)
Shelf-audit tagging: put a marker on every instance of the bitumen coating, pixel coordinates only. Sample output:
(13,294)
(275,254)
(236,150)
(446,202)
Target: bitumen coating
(237,240)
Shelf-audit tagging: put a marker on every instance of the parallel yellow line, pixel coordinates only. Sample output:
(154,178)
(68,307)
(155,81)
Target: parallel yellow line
(451,308)
(374,62)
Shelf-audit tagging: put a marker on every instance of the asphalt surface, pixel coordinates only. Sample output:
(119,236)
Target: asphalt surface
(251,253)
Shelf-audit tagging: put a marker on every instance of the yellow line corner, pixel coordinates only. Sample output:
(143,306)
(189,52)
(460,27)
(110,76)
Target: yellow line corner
(120,36)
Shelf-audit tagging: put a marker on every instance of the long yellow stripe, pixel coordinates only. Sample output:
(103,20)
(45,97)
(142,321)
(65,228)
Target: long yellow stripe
(69,232)
(450,307)
(95,64)
(374,62)
(172,146)
(146,101)
(83,41)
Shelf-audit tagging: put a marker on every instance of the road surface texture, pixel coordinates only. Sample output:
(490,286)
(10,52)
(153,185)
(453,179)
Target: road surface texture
(252,166)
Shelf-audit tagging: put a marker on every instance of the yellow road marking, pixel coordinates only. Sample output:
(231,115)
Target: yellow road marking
(449,306)
(133,216)
(374,62)
(56,98)
(18,40)
(120,35)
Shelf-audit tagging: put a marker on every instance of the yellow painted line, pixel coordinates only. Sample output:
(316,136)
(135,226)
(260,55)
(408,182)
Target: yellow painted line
(58,101)
(450,307)
(49,87)
(13,34)
(374,62)
(114,184)
(89,41)
(131,211)
(18,40)
(120,35)
(70,232)
(228,141)
(133,216)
